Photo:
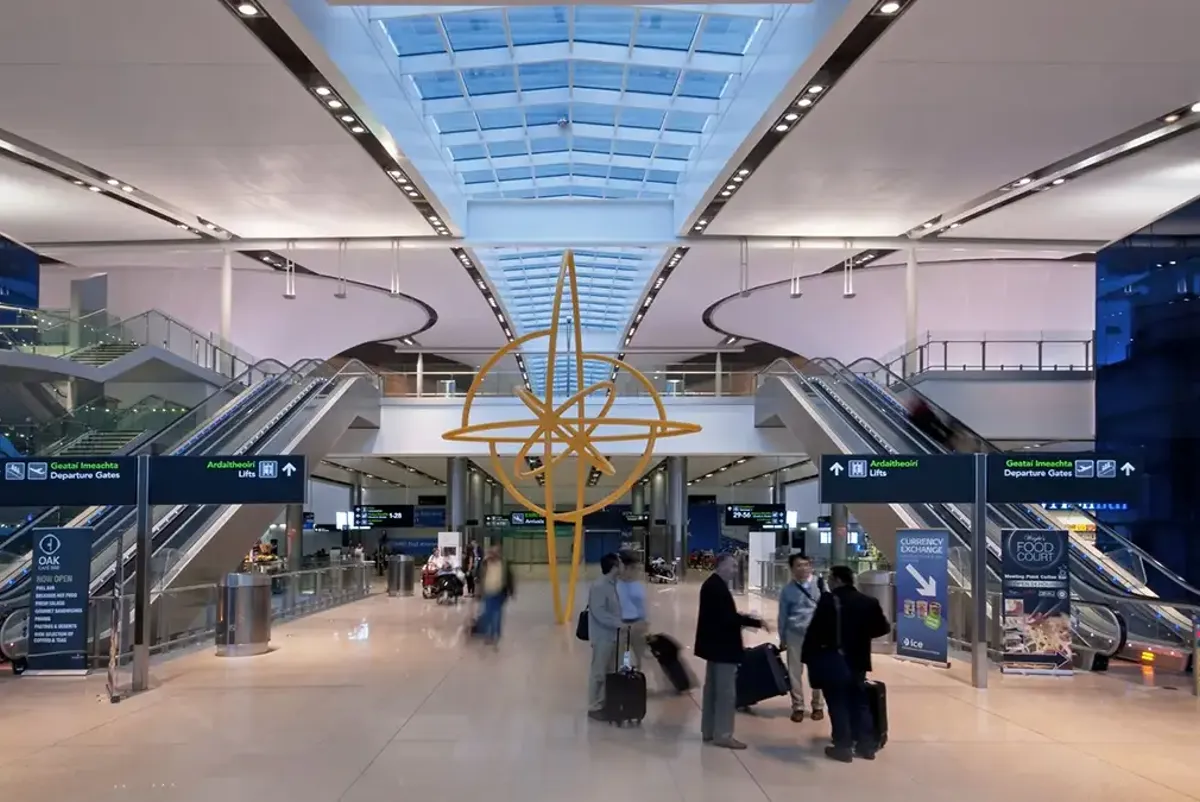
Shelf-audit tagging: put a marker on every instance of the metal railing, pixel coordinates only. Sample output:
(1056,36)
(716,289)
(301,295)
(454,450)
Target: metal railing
(186,616)
(1003,351)
(700,382)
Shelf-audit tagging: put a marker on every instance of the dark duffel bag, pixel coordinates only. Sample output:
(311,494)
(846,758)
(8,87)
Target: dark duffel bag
(761,676)
(666,651)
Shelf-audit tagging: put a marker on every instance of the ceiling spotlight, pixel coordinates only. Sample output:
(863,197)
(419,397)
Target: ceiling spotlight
(955,225)
(738,178)
(1023,181)
(816,89)
(181,226)
(433,218)
(95,189)
(781,127)
(335,104)
(1196,108)
(323,91)
(112,182)
(726,193)
(247,9)
(1170,118)
(347,118)
(395,173)
(730,186)
(698,228)
(78,183)
(928,225)
(804,102)
(1058,182)
(126,188)
(358,129)
(701,222)
(890,7)
(210,226)
(791,117)
(743,172)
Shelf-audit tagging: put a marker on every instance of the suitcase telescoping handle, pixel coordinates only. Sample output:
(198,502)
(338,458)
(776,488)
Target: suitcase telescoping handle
(619,653)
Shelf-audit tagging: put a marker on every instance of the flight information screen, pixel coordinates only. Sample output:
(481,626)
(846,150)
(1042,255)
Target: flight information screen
(383,516)
(760,517)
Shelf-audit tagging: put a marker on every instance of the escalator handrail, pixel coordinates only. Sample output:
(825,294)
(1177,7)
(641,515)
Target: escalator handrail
(985,444)
(1122,638)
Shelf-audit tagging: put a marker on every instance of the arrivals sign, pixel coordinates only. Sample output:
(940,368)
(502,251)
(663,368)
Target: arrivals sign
(1036,598)
(922,557)
(58,611)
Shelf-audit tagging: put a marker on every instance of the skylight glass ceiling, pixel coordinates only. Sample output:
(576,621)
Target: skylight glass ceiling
(572,101)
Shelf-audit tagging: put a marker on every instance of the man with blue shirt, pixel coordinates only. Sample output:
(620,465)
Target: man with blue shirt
(797,604)
(632,594)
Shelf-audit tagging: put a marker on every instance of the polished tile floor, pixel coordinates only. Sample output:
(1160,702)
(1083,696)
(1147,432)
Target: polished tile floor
(381,700)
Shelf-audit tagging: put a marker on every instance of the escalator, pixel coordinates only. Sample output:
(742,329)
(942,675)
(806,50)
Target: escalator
(1117,570)
(832,416)
(302,413)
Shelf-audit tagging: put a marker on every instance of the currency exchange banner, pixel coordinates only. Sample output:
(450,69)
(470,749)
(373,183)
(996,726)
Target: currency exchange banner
(1036,593)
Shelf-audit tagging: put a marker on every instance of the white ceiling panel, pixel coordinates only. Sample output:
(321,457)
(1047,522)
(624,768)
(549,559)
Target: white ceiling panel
(958,98)
(35,207)
(177,98)
(1105,204)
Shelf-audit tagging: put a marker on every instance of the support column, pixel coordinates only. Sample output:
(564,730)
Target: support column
(420,375)
(658,496)
(356,490)
(456,493)
(637,499)
(497,500)
(717,376)
(839,522)
(475,497)
(226,332)
(910,315)
(777,491)
(677,511)
(293,524)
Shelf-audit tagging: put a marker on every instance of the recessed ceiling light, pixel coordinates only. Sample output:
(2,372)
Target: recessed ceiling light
(126,188)
(730,186)
(743,172)
(95,189)
(335,104)
(1023,181)
(890,7)
(955,225)
(698,228)
(701,222)
(804,102)
(78,183)
(726,193)
(791,117)
(323,91)
(738,178)
(1056,182)
(347,118)
(210,226)
(816,89)
(247,9)
(781,127)
(412,194)
(112,182)
(1170,118)
(1196,108)
(928,225)
(358,129)
(395,173)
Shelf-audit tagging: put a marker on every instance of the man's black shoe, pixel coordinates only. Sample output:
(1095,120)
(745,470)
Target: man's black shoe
(840,755)
(865,754)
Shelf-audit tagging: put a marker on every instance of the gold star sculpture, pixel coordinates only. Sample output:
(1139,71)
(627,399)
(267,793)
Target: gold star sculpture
(566,430)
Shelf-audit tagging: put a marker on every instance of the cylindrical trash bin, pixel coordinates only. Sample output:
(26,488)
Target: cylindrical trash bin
(243,615)
(880,585)
(400,575)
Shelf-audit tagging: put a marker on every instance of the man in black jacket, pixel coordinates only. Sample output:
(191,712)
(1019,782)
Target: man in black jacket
(837,651)
(719,642)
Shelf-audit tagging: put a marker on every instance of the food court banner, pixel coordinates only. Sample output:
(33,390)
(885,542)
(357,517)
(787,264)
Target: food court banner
(1036,591)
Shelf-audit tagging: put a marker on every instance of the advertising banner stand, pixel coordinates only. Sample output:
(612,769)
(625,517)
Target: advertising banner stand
(1036,598)
(58,613)
(922,633)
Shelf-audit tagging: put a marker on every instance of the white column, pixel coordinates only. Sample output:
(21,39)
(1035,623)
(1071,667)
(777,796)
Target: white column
(910,314)
(420,374)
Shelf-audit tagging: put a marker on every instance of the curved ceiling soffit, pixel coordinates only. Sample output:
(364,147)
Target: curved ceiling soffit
(707,315)
(89,179)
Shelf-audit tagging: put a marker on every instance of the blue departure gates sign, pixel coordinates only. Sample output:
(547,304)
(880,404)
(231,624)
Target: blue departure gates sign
(99,481)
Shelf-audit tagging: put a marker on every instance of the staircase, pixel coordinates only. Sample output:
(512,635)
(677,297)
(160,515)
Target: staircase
(97,443)
(102,353)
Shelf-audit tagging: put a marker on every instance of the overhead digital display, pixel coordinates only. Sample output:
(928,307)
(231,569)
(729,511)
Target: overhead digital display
(383,516)
(760,517)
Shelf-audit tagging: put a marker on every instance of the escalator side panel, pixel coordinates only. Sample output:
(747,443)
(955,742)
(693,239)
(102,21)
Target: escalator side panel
(780,402)
(225,540)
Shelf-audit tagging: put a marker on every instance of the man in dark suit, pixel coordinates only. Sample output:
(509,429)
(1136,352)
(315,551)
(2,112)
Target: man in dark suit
(837,651)
(719,643)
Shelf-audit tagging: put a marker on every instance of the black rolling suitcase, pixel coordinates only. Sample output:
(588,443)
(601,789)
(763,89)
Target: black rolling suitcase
(666,651)
(877,705)
(624,694)
(762,675)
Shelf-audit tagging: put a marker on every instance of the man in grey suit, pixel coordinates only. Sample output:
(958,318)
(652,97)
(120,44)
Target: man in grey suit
(604,628)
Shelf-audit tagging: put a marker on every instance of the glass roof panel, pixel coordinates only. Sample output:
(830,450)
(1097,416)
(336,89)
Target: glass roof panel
(598,82)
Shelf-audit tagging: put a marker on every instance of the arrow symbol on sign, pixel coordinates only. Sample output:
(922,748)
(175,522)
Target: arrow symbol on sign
(925,587)
(836,469)
(289,468)
(1127,469)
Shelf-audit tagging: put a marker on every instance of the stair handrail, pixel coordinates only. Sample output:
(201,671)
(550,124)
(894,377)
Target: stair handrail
(234,361)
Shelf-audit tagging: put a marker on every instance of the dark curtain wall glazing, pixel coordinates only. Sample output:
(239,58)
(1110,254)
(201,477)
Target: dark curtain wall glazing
(19,279)
(1148,381)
